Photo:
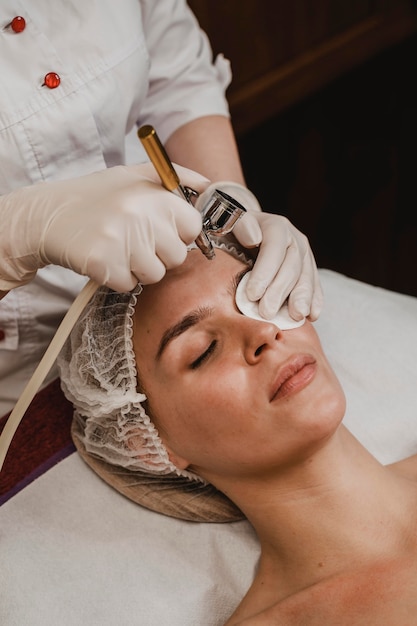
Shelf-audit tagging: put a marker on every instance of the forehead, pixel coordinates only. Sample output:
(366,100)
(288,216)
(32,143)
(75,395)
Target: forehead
(196,277)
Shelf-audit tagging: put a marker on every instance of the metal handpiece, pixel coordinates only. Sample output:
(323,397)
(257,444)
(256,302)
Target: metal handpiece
(220,212)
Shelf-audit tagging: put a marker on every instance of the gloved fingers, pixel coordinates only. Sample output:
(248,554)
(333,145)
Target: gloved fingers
(118,277)
(163,243)
(145,170)
(112,264)
(159,211)
(122,277)
(277,288)
(298,284)
(283,257)
(248,231)
(190,178)
(273,251)
(171,251)
(301,296)
(147,269)
(317,301)
(185,221)
(307,295)
(150,263)
(139,249)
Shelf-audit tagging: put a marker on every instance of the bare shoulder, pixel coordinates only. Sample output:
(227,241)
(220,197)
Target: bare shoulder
(385,594)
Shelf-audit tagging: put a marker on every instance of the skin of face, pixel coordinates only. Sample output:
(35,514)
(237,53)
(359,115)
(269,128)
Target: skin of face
(230,395)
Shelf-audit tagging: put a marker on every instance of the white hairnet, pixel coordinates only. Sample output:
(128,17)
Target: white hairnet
(98,375)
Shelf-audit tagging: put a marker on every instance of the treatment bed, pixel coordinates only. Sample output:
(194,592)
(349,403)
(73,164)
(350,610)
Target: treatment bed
(75,552)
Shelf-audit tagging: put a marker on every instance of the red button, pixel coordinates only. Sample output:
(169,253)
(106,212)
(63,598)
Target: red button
(2,335)
(18,24)
(51,80)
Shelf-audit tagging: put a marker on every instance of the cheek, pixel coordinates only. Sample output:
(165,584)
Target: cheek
(199,415)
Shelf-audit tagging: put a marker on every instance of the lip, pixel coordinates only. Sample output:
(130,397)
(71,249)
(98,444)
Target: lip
(293,375)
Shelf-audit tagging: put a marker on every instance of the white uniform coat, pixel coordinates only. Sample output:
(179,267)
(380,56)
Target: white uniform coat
(121,64)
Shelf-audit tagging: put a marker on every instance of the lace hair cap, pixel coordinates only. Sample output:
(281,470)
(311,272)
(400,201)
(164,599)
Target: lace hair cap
(111,429)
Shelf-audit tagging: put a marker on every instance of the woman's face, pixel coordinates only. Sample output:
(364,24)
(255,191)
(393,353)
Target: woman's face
(227,393)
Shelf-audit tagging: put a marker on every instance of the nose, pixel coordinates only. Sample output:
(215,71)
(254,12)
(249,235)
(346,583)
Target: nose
(259,338)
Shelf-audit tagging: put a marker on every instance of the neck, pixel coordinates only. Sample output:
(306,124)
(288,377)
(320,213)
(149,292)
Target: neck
(335,509)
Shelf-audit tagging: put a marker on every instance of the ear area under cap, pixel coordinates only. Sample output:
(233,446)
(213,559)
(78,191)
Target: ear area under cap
(175,458)
(170,494)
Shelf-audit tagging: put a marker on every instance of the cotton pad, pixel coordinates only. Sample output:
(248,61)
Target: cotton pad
(251,309)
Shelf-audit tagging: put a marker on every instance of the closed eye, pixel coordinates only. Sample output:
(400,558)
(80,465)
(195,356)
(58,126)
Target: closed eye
(203,357)
(236,280)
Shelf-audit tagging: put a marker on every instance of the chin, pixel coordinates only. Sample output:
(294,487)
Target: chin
(325,414)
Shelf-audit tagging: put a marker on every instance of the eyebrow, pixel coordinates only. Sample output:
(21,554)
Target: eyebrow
(194,317)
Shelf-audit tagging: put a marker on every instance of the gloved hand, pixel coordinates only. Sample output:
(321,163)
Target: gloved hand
(284,267)
(117,226)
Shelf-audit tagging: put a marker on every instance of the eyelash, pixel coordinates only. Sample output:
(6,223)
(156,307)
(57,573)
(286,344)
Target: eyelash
(203,357)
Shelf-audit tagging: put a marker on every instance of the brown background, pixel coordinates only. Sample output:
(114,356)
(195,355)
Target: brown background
(324,110)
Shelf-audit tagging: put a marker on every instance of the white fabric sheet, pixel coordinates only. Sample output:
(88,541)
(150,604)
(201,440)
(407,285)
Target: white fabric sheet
(75,553)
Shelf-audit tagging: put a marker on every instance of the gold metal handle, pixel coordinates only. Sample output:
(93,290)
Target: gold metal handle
(158,156)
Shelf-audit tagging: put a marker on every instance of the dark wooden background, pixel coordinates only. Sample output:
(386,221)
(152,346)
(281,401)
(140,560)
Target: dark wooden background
(326,119)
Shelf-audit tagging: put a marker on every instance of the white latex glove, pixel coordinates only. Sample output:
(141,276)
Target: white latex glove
(117,226)
(284,267)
